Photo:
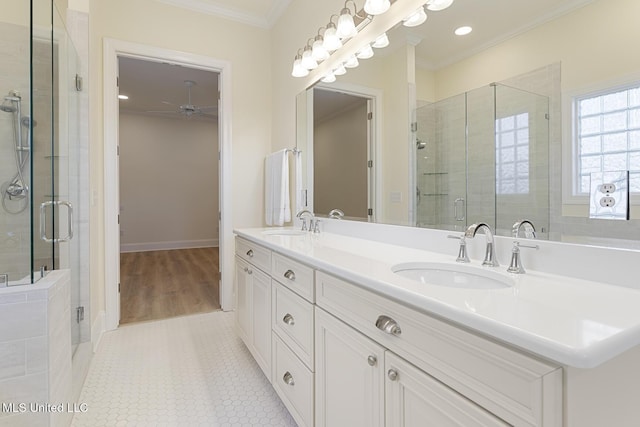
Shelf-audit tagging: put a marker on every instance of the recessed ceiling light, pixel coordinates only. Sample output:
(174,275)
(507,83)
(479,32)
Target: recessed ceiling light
(463,31)
(123,97)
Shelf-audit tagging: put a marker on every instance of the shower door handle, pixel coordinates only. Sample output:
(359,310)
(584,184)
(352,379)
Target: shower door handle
(43,222)
(458,209)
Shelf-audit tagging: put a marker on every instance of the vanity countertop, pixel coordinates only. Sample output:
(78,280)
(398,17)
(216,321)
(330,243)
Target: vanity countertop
(573,322)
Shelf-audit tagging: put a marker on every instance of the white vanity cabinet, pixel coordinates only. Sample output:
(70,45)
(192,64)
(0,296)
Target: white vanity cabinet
(253,300)
(434,370)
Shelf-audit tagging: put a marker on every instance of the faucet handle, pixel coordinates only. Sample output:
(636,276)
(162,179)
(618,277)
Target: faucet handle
(316,227)
(304,225)
(462,251)
(516,263)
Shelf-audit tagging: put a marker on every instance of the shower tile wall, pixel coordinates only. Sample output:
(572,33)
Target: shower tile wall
(35,351)
(15,232)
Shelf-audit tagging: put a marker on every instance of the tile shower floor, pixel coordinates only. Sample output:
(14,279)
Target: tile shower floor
(184,371)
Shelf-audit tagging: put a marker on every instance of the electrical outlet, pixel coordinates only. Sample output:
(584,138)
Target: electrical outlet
(607,188)
(607,202)
(609,195)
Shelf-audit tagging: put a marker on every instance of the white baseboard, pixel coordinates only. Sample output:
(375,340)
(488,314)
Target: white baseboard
(97,329)
(164,246)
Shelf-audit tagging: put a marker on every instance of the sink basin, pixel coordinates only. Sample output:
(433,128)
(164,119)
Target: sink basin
(453,275)
(285,232)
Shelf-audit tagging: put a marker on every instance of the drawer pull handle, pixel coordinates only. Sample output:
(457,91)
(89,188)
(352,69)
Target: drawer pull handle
(372,360)
(290,275)
(392,374)
(250,253)
(288,379)
(288,319)
(388,325)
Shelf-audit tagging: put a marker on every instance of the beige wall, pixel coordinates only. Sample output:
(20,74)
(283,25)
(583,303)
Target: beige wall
(248,50)
(168,182)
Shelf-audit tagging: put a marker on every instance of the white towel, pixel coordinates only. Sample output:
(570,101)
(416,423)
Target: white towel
(276,188)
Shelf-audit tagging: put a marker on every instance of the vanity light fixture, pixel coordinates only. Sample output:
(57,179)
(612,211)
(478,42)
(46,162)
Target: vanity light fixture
(346,25)
(463,31)
(416,18)
(365,52)
(331,39)
(376,7)
(298,69)
(340,71)
(436,5)
(307,60)
(123,97)
(352,62)
(381,41)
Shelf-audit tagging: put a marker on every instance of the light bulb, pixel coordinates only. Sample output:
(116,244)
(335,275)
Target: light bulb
(352,62)
(298,69)
(346,26)
(307,60)
(340,70)
(416,18)
(318,51)
(436,5)
(381,41)
(463,31)
(376,7)
(331,39)
(329,78)
(365,52)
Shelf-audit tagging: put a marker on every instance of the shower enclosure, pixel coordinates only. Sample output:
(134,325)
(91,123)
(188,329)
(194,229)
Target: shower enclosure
(483,156)
(40,154)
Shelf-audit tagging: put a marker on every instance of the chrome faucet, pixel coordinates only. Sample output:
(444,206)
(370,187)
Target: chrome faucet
(489,257)
(529,229)
(462,250)
(336,214)
(303,215)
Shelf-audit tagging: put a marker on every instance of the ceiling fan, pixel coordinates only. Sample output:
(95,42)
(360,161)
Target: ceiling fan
(189,110)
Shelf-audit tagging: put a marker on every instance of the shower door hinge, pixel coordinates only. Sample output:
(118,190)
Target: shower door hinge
(369,163)
(78,83)
(546,116)
(370,116)
(369,211)
(79,314)
(414,127)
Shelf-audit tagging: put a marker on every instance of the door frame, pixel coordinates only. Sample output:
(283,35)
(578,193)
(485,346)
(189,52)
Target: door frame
(112,49)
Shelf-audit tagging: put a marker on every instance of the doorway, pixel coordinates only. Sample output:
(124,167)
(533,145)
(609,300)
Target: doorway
(114,49)
(169,191)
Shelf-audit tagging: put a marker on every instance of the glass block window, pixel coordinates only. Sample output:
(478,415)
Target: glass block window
(512,154)
(608,136)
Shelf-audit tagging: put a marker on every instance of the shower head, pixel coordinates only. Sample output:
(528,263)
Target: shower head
(7,108)
(8,104)
(420,144)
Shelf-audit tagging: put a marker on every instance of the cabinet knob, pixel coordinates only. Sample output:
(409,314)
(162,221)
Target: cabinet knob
(388,325)
(249,271)
(288,319)
(250,253)
(290,275)
(246,269)
(392,374)
(372,360)
(288,379)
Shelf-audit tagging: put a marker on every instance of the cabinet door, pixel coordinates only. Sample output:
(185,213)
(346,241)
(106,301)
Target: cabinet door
(415,399)
(349,376)
(243,300)
(261,319)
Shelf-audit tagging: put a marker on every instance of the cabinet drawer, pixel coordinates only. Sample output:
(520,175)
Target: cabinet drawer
(295,276)
(520,389)
(253,253)
(293,382)
(293,322)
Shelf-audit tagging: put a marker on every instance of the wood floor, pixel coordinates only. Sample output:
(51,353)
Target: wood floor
(161,284)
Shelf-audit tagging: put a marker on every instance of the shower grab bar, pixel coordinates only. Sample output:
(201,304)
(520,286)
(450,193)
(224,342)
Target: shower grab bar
(43,222)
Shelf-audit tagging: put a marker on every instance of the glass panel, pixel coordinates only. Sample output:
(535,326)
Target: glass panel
(524,182)
(614,101)
(15,159)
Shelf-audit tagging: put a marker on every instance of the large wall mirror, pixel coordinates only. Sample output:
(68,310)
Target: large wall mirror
(440,131)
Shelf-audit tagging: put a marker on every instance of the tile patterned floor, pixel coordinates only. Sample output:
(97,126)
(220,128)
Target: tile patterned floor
(184,371)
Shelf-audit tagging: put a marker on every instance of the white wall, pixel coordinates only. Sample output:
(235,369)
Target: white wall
(168,183)
(248,50)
